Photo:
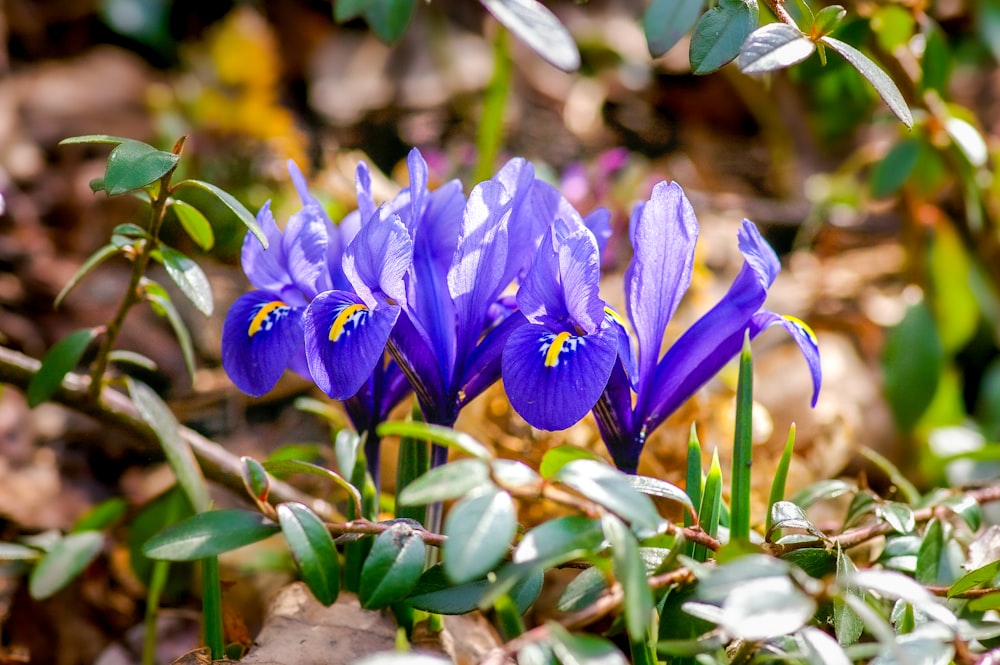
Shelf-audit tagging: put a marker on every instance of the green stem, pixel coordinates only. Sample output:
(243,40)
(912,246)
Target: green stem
(157,581)
(211,607)
(490,136)
(739,522)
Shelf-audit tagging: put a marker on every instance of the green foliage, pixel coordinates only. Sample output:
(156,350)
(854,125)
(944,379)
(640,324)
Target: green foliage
(57,363)
(393,567)
(313,550)
(719,34)
(912,359)
(209,534)
(667,21)
(479,529)
(63,562)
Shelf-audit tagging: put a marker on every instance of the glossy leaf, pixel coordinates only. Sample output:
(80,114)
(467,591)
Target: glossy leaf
(719,34)
(387,18)
(912,359)
(313,550)
(204,196)
(982,576)
(161,303)
(820,648)
(60,360)
(631,574)
(766,608)
(194,224)
(583,649)
(847,625)
(285,467)
(667,21)
(711,507)
(451,481)
(662,489)
(611,489)
(929,555)
(774,46)
(538,27)
(583,590)
(16,552)
(883,85)
(94,260)
(787,515)
(189,278)
(443,436)
(898,515)
(827,19)
(124,356)
(133,165)
(890,584)
(967,508)
(739,501)
(514,475)
(434,593)
(558,457)
(955,304)
(209,534)
(479,529)
(559,536)
(61,564)
(182,462)
(255,479)
(393,567)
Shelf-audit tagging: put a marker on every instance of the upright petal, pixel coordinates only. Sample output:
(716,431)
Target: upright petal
(260,338)
(664,236)
(554,378)
(305,242)
(265,268)
(599,223)
(345,340)
(377,259)
(417,168)
(363,187)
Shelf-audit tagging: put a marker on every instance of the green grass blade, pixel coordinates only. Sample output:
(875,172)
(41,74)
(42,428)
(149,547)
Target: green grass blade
(781,474)
(739,520)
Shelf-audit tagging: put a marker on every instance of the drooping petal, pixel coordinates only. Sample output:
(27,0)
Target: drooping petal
(803,336)
(554,378)
(715,338)
(377,259)
(260,338)
(664,236)
(345,340)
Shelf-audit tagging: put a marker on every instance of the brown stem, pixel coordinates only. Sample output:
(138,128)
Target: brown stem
(364,527)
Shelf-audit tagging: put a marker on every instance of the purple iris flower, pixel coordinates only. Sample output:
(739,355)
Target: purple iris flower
(558,367)
(428,270)
(263,334)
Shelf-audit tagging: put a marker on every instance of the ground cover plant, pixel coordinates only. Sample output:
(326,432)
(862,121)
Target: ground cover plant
(554,300)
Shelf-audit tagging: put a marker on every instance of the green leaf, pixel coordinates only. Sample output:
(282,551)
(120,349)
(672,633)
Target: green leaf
(666,21)
(16,552)
(898,515)
(451,481)
(583,590)
(514,475)
(967,508)
(739,522)
(194,224)
(781,474)
(930,552)
(787,515)
(313,550)
(60,360)
(558,457)
(133,165)
(816,562)
(720,32)
(890,584)
(182,462)
(827,20)
(611,489)
(205,196)
(443,436)
(94,260)
(890,173)
(631,574)
(662,489)
(161,303)
(434,593)
(479,530)
(711,506)
(132,358)
(387,18)
(912,361)
(820,648)
(766,608)
(539,28)
(94,138)
(847,625)
(102,516)
(559,536)
(393,567)
(209,534)
(692,473)
(255,479)
(774,46)
(823,490)
(61,564)
(883,85)
(956,308)
(284,467)
(982,576)
(189,278)
(573,649)
(345,10)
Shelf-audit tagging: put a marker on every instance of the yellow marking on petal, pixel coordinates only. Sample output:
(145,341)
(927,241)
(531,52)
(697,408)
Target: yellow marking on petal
(262,315)
(614,315)
(552,355)
(802,324)
(337,329)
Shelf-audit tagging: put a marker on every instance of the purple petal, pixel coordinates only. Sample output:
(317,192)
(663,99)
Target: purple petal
(260,338)
(482,368)
(345,340)
(377,259)
(363,187)
(664,236)
(599,223)
(265,268)
(554,378)
(613,413)
(305,244)
(416,359)
(803,336)
(417,168)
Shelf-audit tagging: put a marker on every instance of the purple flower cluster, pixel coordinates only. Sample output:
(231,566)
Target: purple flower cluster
(415,294)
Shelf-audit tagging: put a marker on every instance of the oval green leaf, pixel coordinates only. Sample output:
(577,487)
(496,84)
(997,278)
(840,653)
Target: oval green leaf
(662,489)
(209,534)
(133,165)
(161,303)
(313,550)
(630,571)
(773,46)
(208,198)
(451,481)
(443,436)
(883,85)
(94,138)
(611,489)
(912,361)
(720,32)
(574,649)
(154,411)
(102,516)
(194,223)
(189,278)
(666,21)
(479,530)
(766,608)
(890,174)
(558,536)
(827,19)
(532,22)
(57,363)
(94,260)
(67,559)
(255,478)
(558,457)
(393,567)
